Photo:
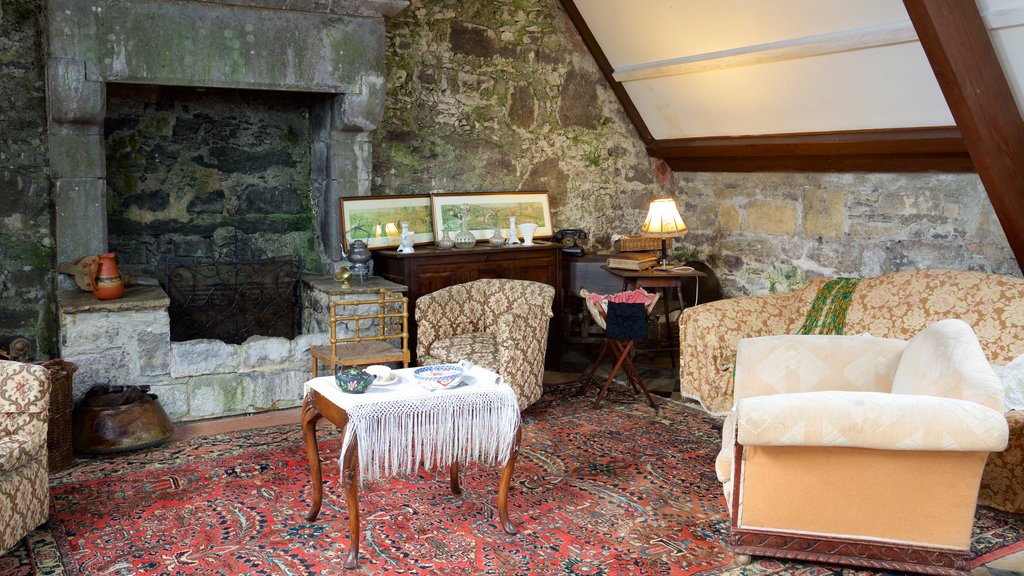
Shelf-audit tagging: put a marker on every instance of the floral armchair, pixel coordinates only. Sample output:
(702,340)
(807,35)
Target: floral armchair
(499,324)
(24,493)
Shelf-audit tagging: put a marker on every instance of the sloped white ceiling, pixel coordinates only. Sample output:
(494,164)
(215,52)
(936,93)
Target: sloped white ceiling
(696,68)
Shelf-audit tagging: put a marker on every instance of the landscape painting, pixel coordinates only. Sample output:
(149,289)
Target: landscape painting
(377,219)
(488,210)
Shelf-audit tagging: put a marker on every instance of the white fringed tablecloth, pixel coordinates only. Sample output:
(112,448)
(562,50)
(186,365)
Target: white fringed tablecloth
(404,425)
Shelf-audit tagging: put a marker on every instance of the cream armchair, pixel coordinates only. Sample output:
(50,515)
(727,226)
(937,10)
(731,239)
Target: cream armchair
(24,492)
(861,450)
(499,324)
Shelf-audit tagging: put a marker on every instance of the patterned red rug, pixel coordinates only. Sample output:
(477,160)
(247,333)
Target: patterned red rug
(616,491)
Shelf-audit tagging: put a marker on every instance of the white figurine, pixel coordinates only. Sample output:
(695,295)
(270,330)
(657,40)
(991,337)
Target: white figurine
(406,239)
(513,233)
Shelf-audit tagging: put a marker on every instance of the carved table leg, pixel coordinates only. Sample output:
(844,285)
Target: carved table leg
(454,471)
(351,482)
(506,480)
(310,416)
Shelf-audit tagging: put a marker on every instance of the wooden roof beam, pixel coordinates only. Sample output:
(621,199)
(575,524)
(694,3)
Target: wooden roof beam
(961,54)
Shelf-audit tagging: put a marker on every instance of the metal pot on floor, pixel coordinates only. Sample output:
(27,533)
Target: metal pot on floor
(113,419)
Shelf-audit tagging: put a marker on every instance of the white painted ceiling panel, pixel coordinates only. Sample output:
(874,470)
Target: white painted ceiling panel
(877,88)
(697,68)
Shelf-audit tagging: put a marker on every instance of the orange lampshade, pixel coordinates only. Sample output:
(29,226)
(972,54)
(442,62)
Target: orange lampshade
(663,220)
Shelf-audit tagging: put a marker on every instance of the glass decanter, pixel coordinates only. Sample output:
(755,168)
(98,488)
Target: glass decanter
(465,238)
(446,242)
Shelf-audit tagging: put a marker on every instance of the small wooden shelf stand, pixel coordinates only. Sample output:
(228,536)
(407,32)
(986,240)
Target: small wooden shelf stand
(367,337)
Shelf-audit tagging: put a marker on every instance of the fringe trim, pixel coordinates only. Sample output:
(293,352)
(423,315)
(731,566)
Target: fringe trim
(398,437)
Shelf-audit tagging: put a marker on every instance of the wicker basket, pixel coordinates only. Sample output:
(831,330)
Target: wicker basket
(58,433)
(638,243)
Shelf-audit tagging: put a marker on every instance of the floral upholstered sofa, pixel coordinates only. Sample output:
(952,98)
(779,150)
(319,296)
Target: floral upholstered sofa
(24,490)
(897,305)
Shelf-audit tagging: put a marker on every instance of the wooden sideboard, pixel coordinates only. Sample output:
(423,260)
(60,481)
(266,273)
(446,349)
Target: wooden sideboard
(429,269)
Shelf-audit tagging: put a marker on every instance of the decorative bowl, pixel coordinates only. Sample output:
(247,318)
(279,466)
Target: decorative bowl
(353,380)
(439,376)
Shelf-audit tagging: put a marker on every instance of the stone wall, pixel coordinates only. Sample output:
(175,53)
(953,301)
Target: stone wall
(502,95)
(769,232)
(26,244)
(187,170)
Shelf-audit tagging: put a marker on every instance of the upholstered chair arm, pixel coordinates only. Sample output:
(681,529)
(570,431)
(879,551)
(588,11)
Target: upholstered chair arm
(786,364)
(24,398)
(522,336)
(875,420)
(708,335)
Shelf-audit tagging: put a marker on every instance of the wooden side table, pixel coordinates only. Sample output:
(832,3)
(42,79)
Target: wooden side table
(317,404)
(665,280)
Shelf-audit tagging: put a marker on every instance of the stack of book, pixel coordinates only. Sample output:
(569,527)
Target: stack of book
(633,261)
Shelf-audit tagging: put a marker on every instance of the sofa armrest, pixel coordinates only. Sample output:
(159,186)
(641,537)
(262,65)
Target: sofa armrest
(787,364)
(870,420)
(522,337)
(708,335)
(24,388)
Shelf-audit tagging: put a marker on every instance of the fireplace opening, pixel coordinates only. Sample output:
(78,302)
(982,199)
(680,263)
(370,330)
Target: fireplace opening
(189,169)
(237,294)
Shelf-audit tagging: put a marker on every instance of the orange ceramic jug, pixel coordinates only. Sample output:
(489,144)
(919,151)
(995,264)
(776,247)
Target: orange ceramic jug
(105,277)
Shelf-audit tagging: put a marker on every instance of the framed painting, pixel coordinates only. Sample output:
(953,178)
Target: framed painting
(488,210)
(377,219)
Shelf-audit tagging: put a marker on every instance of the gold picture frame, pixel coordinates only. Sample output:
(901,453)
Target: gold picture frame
(381,218)
(488,210)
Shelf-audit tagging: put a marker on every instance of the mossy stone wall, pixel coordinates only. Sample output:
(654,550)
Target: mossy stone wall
(188,170)
(26,241)
(502,95)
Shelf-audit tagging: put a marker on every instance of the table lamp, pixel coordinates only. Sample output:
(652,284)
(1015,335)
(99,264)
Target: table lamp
(663,221)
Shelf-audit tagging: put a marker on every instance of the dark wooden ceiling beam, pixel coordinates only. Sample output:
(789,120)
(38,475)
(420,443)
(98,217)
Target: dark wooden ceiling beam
(960,51)
(933,149)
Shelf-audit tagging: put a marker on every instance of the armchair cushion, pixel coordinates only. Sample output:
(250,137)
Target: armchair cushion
(945,359)
(480,348)
(870,420)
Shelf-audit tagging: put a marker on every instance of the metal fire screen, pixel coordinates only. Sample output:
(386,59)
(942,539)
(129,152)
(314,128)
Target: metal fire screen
(237,294)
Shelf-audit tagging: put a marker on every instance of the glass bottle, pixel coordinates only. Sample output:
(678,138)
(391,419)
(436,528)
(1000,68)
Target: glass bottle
(465,238)
(496,239)
(446,242)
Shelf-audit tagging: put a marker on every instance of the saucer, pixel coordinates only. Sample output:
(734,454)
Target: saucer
(386,380)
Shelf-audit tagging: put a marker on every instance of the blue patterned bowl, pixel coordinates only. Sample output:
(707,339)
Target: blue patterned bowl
(438,376)
(353,380)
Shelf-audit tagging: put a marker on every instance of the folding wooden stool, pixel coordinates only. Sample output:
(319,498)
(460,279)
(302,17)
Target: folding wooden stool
(621,349)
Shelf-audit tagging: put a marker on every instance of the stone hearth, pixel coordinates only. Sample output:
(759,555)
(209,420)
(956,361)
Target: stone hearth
(332,48)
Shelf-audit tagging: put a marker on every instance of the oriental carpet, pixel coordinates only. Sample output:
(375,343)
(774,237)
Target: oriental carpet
(615,491)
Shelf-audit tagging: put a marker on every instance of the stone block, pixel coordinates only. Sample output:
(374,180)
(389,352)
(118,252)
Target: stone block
(219,395)
(108,367)
(825,213)
(728,218)
(360,111)
(81,219)
(770,217)
(173,397)
(578,104)
(72,98)
(276,389)
(300,359)
(196,357)
(154,351)
(472,40)
(260,352)
(75,154)
(88,333)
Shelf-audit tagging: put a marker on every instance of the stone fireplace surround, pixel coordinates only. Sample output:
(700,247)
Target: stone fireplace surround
(330,47)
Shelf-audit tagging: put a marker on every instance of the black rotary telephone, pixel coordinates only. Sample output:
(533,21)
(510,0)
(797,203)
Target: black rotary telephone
(569,237)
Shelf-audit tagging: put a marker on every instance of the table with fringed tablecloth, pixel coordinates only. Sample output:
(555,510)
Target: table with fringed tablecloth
(395,429)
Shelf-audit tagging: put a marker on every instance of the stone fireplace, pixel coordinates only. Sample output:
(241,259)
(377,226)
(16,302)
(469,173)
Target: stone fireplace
(328,53)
